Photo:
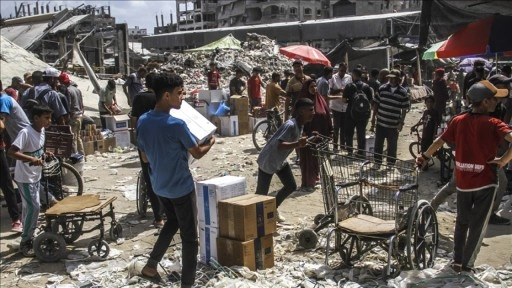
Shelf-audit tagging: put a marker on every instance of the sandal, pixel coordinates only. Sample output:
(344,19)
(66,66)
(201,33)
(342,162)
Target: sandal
(155,278)
(159,224)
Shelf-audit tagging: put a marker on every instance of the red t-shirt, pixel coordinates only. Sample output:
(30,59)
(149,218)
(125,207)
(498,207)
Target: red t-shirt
(476,138)
(253,86)
(213,79)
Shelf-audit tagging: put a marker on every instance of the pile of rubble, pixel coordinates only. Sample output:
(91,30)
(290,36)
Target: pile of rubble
(258,51)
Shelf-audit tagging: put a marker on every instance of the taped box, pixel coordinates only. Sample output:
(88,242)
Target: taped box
(256,254)
(116,122)
(247,217)
(122,138)
(207,243)
(210,192)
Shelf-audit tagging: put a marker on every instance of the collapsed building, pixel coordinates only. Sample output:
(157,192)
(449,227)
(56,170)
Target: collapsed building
(50,35)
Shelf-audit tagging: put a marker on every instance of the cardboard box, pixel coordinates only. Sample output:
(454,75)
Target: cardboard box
(117,122)
(253,254)
(247,217)
(243,128)
(110,143)
(210,192)
(88,147)
(100,146)
(229,125)
(207,243)
(239,105)
(122,138)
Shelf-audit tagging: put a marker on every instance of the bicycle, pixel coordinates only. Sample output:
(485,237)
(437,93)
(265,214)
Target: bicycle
(415,147)
(265,129)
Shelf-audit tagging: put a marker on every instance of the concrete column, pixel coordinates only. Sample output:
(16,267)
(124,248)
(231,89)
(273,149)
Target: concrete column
(101,55)
(62,46)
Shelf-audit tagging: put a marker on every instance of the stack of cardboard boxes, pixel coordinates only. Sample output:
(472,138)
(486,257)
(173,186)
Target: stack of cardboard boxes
(240,108)
(119,124)
(209,193)
(246,225)
(93,140)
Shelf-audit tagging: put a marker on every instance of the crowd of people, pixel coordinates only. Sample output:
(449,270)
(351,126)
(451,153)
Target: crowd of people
(337,104)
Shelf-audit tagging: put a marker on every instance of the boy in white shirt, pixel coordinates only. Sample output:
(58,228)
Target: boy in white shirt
(28,149)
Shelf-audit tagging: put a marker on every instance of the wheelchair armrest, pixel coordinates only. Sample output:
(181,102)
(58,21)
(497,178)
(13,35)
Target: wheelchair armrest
(408,187)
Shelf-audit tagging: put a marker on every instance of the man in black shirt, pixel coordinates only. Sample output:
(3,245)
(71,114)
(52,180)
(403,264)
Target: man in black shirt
(357,120)
(237,85)
(142,103)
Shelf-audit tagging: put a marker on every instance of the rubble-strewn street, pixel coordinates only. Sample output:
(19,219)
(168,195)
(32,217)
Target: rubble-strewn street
(115,174)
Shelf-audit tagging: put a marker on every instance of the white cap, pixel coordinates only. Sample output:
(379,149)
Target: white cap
(51,72)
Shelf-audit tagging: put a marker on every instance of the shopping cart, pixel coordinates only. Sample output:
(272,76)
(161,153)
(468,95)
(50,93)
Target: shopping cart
(372,204)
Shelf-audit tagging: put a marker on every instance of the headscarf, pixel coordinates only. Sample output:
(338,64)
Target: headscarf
(322,120)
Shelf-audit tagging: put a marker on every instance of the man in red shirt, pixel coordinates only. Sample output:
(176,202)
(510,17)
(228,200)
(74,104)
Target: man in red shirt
(213,77)
(475,168)
(254,88)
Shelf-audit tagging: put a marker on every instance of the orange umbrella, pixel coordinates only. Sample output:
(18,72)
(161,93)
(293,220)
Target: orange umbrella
(306,53)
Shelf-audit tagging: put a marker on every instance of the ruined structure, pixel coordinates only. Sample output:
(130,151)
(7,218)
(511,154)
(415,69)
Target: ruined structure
(50,35)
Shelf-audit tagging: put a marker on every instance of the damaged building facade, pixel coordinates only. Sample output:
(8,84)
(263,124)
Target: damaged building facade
(320,23)
(50,35)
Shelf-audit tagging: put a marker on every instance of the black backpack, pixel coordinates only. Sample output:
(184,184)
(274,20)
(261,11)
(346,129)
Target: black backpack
(360,105)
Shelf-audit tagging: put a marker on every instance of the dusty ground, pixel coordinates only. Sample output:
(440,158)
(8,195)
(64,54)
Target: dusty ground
(116,173)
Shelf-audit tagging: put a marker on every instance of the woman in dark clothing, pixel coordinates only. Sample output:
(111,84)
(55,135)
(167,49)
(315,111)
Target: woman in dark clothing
(321,124)
(441,95)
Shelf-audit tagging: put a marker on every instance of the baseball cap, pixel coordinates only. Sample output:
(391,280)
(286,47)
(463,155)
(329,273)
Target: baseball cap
(393,73)
(298,62)
(500,79)
(484,89)
(51,72)
(64,78)
(17,79)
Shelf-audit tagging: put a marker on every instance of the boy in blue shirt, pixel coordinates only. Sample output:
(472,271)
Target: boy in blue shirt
(28,149)
(272,159)
(164,142)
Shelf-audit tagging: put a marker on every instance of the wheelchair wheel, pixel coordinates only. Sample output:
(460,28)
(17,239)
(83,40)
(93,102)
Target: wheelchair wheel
(98,248)
(116,231)
(141,195)
(49,247)
(423,236)
(308,238)
(69,230)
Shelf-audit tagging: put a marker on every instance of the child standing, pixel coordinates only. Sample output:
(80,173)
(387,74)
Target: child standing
(429,120)
(28,149)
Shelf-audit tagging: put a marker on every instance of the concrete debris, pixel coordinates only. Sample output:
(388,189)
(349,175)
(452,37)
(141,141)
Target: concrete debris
(258,51)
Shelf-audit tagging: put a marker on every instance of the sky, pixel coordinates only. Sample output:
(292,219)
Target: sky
(135,13)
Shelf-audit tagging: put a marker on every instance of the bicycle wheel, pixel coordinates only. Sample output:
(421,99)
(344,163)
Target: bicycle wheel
(415,149)
(261,133)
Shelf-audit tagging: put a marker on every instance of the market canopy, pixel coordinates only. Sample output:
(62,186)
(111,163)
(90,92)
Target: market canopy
(227,42)
(488,35)
(431,53)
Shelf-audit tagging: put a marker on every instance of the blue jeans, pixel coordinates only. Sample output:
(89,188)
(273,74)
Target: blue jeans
(181,214)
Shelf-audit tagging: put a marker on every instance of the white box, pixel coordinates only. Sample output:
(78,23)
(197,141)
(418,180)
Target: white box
(117,122)
(207,243)
(210,192)
(122,138)
(253,121)
(211,95)
(199,126)
(229,125)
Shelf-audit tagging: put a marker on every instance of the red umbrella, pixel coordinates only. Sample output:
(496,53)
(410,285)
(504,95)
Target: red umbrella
(486,36)
(306,53)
